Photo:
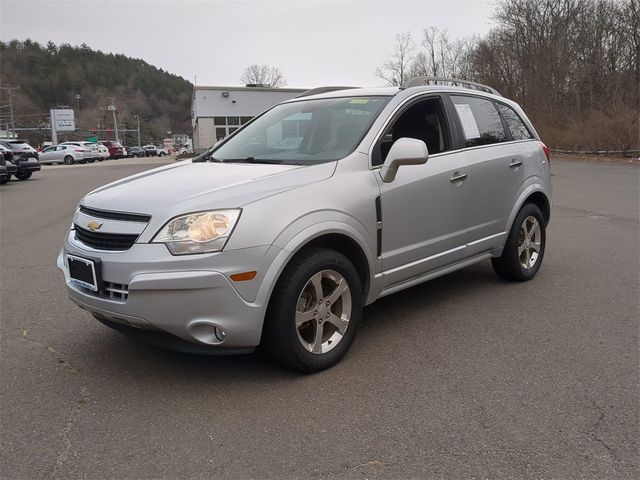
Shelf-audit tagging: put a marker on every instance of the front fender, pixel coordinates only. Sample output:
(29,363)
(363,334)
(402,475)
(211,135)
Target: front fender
(297,241)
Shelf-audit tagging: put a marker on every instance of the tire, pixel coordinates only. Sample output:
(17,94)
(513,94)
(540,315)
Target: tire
(92,160)
(68,160)
(161,154)
(24,175)
(304,347)
(5,180)
(524,249)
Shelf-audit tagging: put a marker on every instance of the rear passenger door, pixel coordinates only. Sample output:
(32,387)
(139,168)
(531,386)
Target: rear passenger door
(495,169)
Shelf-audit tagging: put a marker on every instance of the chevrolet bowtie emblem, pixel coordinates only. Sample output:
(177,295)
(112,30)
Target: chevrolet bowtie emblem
(94,225)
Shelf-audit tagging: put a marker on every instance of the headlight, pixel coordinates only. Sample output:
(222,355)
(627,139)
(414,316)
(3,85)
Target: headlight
(200,232)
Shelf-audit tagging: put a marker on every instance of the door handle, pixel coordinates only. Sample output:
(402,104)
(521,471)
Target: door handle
(515,163)
(458,177)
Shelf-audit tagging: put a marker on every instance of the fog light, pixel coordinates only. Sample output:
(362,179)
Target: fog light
(220,333)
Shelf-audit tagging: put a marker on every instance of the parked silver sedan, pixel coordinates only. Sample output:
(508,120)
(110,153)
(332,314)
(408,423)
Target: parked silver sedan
(67,154)
(95,154)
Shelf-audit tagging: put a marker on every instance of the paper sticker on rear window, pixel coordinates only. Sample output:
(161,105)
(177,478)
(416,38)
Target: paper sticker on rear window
(359,101)
(468,121)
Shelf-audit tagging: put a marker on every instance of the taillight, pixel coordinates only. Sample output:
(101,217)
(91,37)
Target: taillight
(547,154)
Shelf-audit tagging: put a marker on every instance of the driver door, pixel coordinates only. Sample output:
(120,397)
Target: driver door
(425,210)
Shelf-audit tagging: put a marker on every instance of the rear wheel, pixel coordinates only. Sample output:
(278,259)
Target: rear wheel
(68,160)
(24,175)
(314,311)
(524,249)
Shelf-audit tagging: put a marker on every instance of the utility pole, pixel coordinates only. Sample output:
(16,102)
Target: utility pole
(112,108)
(9,90)
(78,97)
(137,117)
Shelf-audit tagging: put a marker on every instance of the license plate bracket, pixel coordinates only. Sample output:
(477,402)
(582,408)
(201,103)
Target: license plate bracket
(85,272)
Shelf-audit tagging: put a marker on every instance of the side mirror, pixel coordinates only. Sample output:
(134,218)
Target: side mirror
(404,151)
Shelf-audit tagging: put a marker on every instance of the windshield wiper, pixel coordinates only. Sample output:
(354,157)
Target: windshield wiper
(251,160)
(205,157)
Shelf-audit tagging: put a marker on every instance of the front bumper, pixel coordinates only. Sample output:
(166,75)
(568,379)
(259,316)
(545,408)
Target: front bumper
(186,296)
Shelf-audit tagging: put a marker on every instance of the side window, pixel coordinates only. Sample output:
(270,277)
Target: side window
(516,126)
(480,120)
(424,120)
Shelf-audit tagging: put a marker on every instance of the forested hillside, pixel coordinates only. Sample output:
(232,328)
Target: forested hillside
(51,75)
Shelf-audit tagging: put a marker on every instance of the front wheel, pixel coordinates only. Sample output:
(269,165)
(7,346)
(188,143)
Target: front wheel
(314,311)
(24,175)
(524,249)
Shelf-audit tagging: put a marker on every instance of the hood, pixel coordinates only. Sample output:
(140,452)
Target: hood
(187,187)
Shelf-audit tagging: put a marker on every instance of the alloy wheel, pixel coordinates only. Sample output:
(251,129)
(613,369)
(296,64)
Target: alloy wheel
(529,242)
(323,311)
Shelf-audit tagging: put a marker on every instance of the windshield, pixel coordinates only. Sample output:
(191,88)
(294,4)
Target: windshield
(303,132)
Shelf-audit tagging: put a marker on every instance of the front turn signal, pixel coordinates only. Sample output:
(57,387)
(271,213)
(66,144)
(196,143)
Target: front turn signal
(243,277)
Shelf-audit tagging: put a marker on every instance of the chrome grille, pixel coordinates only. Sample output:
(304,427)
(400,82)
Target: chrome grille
(109,215)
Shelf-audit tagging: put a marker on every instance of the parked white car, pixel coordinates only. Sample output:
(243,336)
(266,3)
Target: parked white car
(67,154)
(103,152)
(93,147)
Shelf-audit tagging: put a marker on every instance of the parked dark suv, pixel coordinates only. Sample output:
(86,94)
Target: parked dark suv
(115,148)
(7,168)
(24,157)
(135,151)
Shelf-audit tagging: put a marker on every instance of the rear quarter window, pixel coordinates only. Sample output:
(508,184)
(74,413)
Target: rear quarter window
(516,126)
(480,120)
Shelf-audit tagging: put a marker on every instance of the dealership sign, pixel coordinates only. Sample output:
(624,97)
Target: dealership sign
(62,120)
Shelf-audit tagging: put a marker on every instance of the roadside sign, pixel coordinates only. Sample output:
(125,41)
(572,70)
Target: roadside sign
(92,139)
(62,119)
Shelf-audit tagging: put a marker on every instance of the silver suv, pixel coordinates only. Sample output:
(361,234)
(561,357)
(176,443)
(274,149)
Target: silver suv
(253,243)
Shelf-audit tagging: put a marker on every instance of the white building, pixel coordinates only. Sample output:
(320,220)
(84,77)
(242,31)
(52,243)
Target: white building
(219,111)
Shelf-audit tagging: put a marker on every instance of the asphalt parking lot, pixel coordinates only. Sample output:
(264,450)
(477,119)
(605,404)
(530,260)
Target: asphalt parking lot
(463,377)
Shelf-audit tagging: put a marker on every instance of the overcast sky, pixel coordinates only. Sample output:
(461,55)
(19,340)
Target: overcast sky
(313,42)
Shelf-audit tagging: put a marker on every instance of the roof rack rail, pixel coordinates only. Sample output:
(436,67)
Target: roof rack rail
(319,90)
(455,82)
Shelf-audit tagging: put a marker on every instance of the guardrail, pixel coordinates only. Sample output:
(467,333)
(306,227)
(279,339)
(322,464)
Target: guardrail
(597,152)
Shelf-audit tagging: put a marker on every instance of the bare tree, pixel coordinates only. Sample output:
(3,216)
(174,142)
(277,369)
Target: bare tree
(395,70)
(263,75)
(574,65)
(441,57)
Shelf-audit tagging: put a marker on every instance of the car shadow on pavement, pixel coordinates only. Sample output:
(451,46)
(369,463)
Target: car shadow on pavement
(388,316)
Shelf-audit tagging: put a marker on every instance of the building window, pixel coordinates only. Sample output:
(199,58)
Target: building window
(233,121)
(219,120)
(221,133)
(244,120)
(232,129)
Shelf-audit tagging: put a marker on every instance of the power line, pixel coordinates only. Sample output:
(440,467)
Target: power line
(10,90)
